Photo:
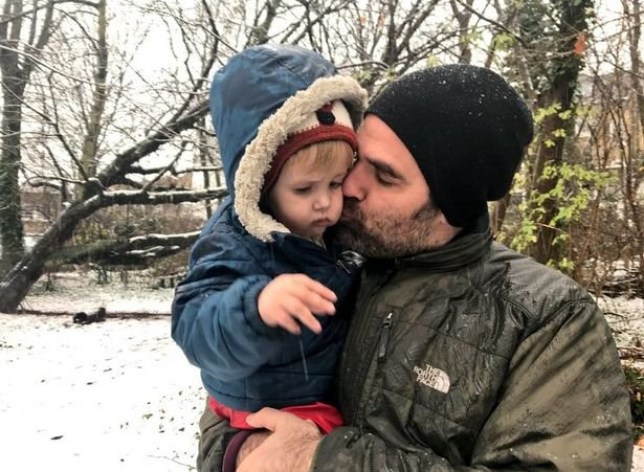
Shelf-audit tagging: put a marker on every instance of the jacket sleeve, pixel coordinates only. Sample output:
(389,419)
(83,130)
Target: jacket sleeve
(564,407)
(214,312)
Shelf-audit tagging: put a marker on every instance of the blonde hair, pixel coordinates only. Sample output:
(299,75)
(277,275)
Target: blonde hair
(319,155)
(313,157)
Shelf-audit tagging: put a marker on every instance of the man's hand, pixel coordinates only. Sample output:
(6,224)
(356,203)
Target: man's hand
(250,444)
(290,446)
(290,298)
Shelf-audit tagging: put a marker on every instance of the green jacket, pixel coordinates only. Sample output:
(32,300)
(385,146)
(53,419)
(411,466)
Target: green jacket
(474,357)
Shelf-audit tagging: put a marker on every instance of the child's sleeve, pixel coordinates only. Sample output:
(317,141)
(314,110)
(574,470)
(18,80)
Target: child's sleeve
(214,312)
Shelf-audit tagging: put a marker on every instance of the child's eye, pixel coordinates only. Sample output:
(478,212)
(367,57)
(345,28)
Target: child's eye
(302,190)
(335,184)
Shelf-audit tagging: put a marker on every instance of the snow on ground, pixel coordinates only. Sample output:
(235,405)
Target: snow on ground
(108,396)
(626,317)
(119,395)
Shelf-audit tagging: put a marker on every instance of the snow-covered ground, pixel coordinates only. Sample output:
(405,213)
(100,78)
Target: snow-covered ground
(112,396)
(119,395)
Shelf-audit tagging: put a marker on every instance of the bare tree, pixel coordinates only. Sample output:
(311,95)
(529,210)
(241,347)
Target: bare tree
(634,161)
(610,235)
(82,158)
(22,38)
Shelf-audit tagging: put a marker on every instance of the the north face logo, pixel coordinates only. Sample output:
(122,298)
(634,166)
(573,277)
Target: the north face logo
(433,378)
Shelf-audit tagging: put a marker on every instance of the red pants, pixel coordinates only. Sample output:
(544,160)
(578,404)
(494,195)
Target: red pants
(325,416)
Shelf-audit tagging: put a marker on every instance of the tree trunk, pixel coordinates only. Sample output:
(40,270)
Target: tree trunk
(564,72)
(635,168)
(11,231)
(499,210)
(93,131)
(15,76)
(544,249)
(23,275)
(463,18)
(10,208)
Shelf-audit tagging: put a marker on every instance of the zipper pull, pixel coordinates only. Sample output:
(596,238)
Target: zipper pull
(384,337)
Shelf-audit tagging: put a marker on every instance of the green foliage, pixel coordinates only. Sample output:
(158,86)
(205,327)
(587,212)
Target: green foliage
(363,76)
(473,36)
(575,187)
(541,114)
(504,41)
(527,232)
(432,60)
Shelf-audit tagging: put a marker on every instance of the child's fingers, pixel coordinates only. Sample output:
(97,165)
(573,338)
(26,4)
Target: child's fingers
(288,323)
(320,289)
(314,296)
(307,319)
(316,304)
(295,309)
(301,312)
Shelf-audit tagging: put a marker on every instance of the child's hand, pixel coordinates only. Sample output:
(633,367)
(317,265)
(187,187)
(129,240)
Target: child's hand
(290,298)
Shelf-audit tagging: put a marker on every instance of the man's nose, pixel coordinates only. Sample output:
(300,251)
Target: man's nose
(353,185)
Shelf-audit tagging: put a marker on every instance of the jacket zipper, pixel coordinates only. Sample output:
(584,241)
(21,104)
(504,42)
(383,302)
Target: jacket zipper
(363,367)
(341,265)
(380,351)
(384,337)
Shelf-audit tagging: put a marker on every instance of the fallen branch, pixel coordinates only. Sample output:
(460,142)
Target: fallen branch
(108,315)
(633,353)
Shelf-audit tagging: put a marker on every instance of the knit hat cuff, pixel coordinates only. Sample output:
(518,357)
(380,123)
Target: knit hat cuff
(331,122)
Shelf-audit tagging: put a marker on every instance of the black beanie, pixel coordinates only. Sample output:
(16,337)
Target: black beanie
(466,127)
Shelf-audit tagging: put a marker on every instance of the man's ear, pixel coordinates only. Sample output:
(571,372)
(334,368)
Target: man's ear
(449,230)
(443,223)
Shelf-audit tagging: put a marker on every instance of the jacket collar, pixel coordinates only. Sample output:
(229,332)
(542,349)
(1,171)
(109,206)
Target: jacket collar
(458,253)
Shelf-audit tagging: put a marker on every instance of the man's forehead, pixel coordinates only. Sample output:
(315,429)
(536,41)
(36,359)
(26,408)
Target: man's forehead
(378,144)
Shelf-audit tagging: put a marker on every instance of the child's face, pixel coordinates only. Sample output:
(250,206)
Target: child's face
(308,200)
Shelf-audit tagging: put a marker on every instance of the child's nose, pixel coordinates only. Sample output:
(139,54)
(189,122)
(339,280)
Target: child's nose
(322,201)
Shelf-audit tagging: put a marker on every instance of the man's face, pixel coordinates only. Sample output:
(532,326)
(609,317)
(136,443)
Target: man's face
(388,211)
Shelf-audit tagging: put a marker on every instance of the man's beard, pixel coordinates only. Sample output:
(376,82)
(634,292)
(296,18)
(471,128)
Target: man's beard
(388,236)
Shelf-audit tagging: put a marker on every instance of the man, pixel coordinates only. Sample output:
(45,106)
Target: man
(461,354)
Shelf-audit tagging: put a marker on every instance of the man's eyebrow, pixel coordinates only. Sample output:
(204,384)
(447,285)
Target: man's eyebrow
(384,167)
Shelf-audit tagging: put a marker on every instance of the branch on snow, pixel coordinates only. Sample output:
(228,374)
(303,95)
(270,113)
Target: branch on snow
(135,197)
(134,251)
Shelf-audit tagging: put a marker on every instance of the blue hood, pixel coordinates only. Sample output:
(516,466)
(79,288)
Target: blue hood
(259,96)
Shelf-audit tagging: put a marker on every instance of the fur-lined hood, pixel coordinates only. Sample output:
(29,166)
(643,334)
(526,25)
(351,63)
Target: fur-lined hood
(260,96)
